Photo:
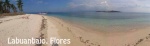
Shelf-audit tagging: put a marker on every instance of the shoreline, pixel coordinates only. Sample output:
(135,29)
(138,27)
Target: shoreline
(102,28)
(46,27)
(134,35)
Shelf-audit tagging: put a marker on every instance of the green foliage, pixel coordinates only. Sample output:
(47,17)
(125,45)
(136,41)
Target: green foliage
(20,4)
(7,7)
(1,7)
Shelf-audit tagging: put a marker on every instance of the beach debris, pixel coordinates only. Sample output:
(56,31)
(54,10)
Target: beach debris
(43,23)
(42,36)
(43,26)
(25,17)
(87,42)
(139,41)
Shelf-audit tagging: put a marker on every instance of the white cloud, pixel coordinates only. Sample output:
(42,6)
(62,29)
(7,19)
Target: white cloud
(87,4)
(123,5)
(14,0)
(40,2)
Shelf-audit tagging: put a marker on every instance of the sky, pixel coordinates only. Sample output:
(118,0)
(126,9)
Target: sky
(85,5)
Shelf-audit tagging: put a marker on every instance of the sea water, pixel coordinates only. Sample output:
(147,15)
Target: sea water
(106,21)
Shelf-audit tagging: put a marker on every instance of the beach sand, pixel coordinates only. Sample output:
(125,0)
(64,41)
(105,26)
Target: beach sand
(81,36)
(21,26)
(33,25)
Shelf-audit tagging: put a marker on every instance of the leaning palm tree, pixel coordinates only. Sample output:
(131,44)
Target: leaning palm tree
(20,5)
(13,7)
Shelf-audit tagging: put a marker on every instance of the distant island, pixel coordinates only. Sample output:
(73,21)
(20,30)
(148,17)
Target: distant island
(108,11)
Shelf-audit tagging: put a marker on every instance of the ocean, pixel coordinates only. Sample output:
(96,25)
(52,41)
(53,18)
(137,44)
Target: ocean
(106,21)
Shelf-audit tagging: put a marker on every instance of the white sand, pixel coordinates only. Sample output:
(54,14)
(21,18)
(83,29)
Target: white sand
(19,26)
(81,36)
(22,27)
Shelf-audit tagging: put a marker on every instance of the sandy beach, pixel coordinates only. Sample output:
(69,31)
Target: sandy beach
(21,26)
(44,27)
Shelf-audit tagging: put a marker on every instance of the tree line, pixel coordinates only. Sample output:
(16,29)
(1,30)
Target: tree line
(7,7)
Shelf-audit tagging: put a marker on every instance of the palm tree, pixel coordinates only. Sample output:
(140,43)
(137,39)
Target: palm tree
(1,6)
(6,6)
(20,5)
(13,7)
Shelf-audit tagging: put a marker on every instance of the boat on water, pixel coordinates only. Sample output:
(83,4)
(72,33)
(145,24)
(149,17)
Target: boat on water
(43,13)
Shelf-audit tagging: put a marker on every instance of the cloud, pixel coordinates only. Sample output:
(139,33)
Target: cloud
(122,5)
(86,4)
(40,1)
(14,0)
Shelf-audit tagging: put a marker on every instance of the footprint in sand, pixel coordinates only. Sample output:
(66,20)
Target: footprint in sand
(25,17)
(68,29)
(0,22)
(87,41)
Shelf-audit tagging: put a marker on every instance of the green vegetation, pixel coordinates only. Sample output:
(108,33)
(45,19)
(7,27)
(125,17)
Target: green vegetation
(20,4)
(7,7)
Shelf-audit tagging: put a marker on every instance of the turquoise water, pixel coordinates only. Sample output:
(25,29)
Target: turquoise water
(107,21)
